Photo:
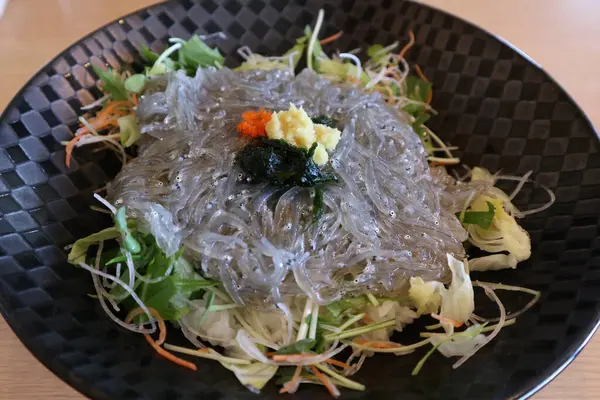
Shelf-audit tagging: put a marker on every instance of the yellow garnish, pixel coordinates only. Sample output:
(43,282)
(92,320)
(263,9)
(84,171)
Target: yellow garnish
(295,127)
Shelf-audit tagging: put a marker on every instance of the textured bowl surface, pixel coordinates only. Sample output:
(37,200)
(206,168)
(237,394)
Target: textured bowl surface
(498,107)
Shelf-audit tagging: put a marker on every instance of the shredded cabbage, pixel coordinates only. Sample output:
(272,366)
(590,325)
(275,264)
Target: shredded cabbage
(461,343)
(458,300)
(254,376)
(504,235)
(427,296)
(219,328)
(386,311)
(493,262)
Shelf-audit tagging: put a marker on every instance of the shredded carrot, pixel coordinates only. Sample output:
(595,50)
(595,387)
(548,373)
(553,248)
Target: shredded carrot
(285,357)
(454,323)
(429,98)
(292,382)
(390,94)
(161,338)
(170,356)
(98,125)
(331,38)
(113,108)
(69,149)
(325,381)
(107,116)
(367,319)
(424,78)
(421,74)
(162,327)
(353,79)
(410,44)
(254,123)
(377,345)
(337,363)
(103,120)
(135,100)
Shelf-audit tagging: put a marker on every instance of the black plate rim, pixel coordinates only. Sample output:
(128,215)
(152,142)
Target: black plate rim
(526,392)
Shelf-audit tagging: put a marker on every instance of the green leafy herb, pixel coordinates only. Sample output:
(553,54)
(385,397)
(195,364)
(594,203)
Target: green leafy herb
(298,50)
(300,347)
(376,53)
(281,164)
(158,296)
(135,83)
(417,90)
(149,55)
(192,55)
(166,64)
(195,53)
(354,303)
(418,124)
(480,218)
(114,83)
(79,249)
(325,120)
(374,49)
(318,204)
(169,296)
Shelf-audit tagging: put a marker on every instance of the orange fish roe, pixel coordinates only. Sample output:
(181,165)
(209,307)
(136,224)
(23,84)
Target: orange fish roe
(254,123)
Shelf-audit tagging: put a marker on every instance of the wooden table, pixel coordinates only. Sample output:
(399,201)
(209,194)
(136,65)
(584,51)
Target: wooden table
(562,35)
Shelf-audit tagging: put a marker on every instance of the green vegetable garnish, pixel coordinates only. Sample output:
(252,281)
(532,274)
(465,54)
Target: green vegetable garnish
(79,249)
(114,83)
(317,49)
(149,55)
(131,244)
(298,48)
(281,164)
(194,54)
(377,53)
(470,333)
(418,124)
(135,83)
(418,90)
(325,120)
(354,303)
(170,295)
(209,302)
(374,49)
(301,346)
(480,218)
(318,204)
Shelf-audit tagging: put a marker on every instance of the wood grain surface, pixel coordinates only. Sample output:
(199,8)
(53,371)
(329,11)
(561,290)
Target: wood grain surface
(561,35)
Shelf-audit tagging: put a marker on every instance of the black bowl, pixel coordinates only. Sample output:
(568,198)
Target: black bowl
(501,109)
